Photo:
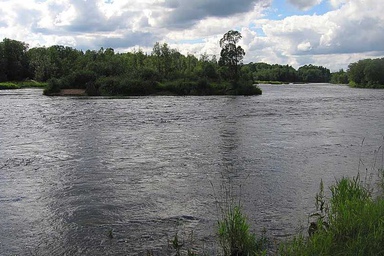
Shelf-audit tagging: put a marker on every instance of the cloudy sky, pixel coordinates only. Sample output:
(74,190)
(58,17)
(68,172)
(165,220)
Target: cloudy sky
(331,33)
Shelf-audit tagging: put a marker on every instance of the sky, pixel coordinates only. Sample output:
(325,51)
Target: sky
(329,33)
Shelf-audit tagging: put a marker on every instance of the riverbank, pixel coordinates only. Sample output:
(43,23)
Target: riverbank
(366,86)
(22,84)
(349,222)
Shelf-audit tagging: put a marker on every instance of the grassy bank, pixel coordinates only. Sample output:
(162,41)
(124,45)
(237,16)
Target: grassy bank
(22,84)
(367,86)
(350,222)
(8,86)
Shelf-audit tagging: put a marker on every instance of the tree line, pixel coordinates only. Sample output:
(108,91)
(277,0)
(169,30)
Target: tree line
(104,72)
(287,74)
(166,70)
(367,73)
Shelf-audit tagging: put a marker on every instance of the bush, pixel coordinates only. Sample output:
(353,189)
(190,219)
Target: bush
(108,86)
(54,86)
(113,86)
(79,79)
(243,87)
(180,87)
(131,87)
(149,74)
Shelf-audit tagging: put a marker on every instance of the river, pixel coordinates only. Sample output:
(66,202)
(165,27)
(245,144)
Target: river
(76,170)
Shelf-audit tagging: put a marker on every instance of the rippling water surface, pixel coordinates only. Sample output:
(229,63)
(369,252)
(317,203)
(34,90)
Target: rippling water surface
(74,169)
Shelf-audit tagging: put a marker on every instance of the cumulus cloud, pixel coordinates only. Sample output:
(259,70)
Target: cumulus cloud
(351,29)
(185,13)
(305,46)
(305,4)
(354,28)
(337,3)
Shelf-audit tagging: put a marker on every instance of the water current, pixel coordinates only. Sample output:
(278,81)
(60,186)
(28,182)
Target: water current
(76,170)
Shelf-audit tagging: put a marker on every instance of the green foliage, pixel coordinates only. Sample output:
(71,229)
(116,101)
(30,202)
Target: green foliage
(234,235)
(54,86)
(340,77)
(80,79)
(123,86)
(231,55)
(13,60)
(313,74)
(8,86)
(22,84)
(352,224)
(104,72)
(367,73)
(287,74)
(246,88)
(181,87)
(272,73)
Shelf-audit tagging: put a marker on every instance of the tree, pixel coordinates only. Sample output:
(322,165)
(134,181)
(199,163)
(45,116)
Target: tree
(40,63)
(231,55)
(367,73)
(339,77)
(14,63)
(314,74)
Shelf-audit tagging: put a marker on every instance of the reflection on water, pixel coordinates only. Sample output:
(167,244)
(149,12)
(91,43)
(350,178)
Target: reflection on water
(74,169)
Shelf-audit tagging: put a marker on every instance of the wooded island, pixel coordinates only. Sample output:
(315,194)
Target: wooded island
(165,71)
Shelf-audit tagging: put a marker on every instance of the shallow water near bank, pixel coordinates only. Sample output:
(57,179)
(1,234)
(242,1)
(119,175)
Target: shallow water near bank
(74,168)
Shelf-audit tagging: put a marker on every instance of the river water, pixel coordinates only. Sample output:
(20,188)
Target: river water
(74,171)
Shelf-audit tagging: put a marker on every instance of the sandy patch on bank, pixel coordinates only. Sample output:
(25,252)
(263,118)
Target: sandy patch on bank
(72,92)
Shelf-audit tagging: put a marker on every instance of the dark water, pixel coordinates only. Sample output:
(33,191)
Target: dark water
(72,169)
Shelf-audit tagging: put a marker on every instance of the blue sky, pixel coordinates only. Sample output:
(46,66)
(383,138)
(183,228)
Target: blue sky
(330,33)
(281,9)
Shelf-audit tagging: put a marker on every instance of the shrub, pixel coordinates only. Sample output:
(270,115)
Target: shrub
(180,87)
(108,86)
(113,86)
(54,86)
(79,79)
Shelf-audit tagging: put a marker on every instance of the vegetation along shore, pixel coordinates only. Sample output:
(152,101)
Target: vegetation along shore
(348,222)
(165,71)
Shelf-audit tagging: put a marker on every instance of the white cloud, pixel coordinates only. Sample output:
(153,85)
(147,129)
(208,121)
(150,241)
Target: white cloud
(337,3)
(354,29)
(305,4)
(350,28)
(304,47)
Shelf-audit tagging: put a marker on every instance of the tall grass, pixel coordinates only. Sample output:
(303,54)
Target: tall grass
(234,234)
(353,224)
(235,237)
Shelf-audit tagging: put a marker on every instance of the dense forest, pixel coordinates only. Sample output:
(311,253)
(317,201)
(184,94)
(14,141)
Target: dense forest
(105,72)
(166,70)
(287,74)
(367,73)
